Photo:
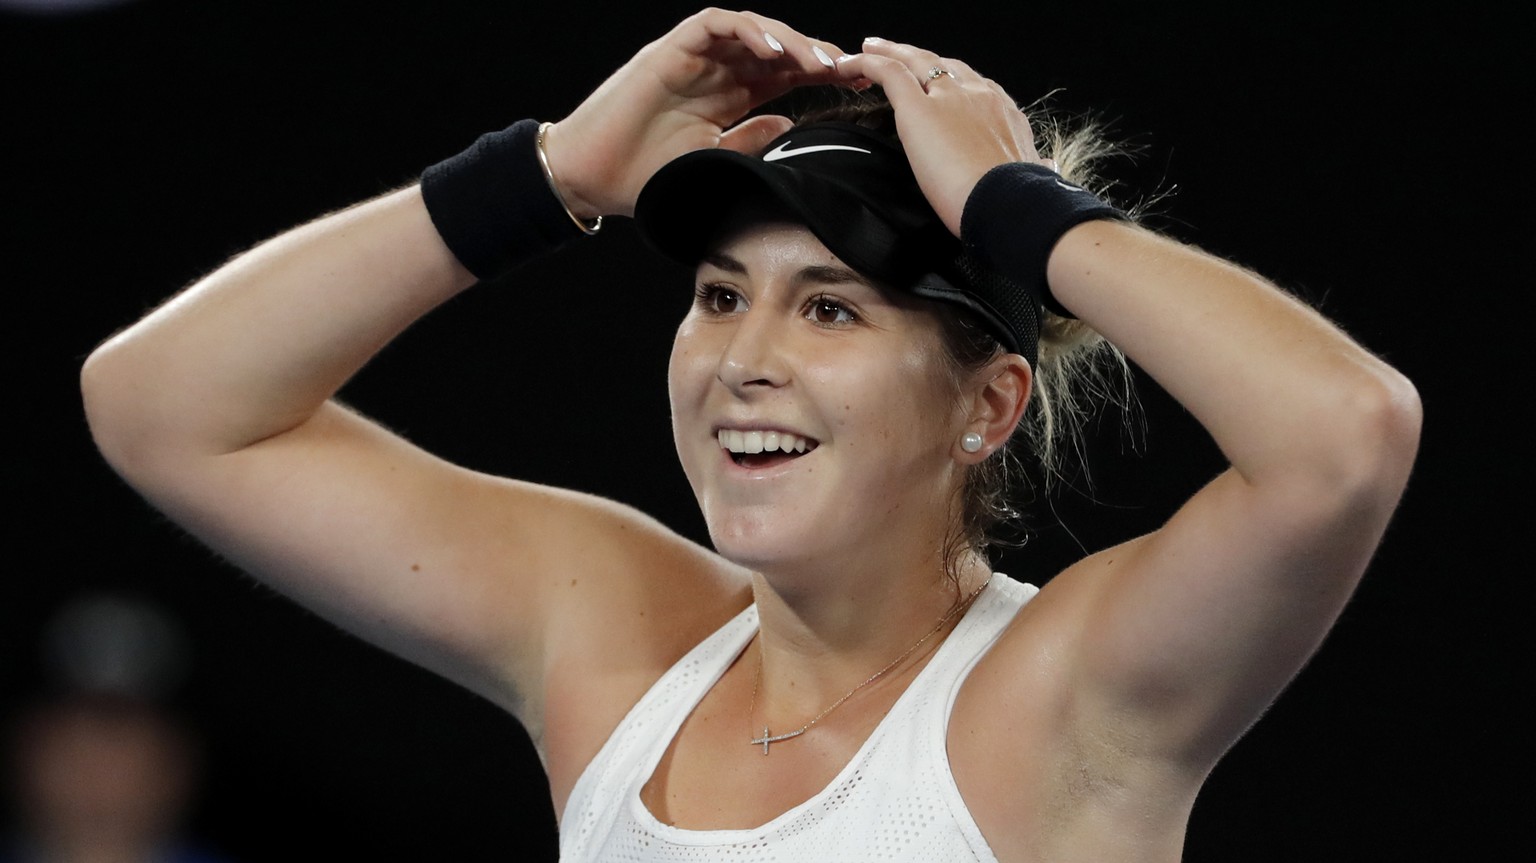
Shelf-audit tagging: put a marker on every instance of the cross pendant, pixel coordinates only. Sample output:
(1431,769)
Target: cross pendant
(773,738)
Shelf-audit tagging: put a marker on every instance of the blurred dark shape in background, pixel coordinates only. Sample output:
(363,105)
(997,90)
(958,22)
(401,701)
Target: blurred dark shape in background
(102,768)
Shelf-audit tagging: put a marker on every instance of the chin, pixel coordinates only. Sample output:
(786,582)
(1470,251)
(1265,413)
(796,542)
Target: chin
(750,546)
(759,541)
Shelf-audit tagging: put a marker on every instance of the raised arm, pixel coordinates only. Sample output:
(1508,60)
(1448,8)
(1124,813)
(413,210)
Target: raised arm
(218,405)
(1200,624)
(1171,644)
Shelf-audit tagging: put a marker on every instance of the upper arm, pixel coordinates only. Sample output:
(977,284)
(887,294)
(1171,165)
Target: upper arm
(1116,689)
(1188,633)
(455,570)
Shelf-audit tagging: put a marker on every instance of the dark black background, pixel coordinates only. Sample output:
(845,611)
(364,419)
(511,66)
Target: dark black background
(1363,158)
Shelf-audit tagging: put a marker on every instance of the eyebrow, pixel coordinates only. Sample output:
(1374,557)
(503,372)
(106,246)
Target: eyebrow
(727,263)
(821,274)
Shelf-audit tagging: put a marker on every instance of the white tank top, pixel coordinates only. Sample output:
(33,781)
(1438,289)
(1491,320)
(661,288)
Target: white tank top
(895,800)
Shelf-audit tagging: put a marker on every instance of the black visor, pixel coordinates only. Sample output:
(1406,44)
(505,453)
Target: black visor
(854,189)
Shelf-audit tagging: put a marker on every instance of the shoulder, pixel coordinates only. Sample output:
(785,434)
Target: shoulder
(1031,674)
(1029,759)
(617,624)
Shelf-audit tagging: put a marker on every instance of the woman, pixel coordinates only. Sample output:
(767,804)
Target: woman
(773,697)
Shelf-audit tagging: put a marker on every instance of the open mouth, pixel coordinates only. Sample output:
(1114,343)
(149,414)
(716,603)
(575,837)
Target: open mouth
(760,449)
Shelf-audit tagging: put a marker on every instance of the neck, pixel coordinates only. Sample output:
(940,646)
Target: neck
(821,636)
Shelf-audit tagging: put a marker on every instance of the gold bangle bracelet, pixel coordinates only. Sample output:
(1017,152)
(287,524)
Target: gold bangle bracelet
(588,227)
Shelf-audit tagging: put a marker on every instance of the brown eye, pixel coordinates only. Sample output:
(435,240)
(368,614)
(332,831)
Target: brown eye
(825,310)
(720,300)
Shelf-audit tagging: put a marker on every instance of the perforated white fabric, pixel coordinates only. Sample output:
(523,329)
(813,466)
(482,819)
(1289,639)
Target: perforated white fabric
(896,800)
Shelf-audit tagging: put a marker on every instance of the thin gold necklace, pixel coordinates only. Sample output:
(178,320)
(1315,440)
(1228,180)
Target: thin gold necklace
(768,737)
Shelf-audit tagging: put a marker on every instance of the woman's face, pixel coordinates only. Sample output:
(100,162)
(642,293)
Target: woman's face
(786,348)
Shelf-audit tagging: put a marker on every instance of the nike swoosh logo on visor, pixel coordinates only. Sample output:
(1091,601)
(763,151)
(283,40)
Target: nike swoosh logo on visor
(782,151)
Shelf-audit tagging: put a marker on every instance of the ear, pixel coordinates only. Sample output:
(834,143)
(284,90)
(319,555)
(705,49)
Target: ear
(750,136)
(994,403)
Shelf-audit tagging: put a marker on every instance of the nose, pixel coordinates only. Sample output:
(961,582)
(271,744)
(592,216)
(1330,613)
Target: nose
(755,356)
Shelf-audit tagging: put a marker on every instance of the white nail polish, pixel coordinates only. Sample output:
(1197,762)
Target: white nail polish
(822,56)
(774,43)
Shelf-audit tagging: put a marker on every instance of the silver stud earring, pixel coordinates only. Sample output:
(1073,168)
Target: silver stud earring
(971,442)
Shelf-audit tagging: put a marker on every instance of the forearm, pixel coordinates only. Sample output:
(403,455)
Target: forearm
(1285,394)
(255,348)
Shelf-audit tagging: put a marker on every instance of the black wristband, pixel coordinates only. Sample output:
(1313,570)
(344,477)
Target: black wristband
(492,205)
(1015,215)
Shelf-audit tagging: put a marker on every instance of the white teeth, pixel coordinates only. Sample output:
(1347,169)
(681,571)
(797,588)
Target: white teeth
(761,441)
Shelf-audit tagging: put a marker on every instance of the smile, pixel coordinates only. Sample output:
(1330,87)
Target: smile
(757,449)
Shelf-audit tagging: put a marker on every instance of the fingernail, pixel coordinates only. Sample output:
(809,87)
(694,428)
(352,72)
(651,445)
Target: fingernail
(822,56)
(844,58)
(871,40)
(774,43)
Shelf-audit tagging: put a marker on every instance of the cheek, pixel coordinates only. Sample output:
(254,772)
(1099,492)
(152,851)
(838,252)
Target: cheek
(928,365)
(680,400)
(900,404)
(928,405)
(683,365)
(690,373)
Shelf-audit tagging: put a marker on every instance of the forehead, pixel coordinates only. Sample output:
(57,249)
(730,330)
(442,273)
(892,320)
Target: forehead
(754,216)
(751,245)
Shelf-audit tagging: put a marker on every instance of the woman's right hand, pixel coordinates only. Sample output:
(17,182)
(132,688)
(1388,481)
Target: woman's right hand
(681,93)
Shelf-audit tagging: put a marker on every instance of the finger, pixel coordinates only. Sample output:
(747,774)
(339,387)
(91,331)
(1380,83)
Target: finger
(705,29)
(752,135)
(810,55)
(917,59)
(766,38)
(900,84)
(813,56)
(934,74)
(826,53)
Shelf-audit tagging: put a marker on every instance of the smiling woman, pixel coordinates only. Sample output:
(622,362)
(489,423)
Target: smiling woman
(877,308)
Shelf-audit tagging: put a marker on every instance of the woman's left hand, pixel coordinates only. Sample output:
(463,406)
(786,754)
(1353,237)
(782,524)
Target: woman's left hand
(955,125)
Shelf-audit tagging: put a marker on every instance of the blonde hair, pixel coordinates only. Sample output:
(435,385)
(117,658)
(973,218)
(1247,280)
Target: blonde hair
(1078,371)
